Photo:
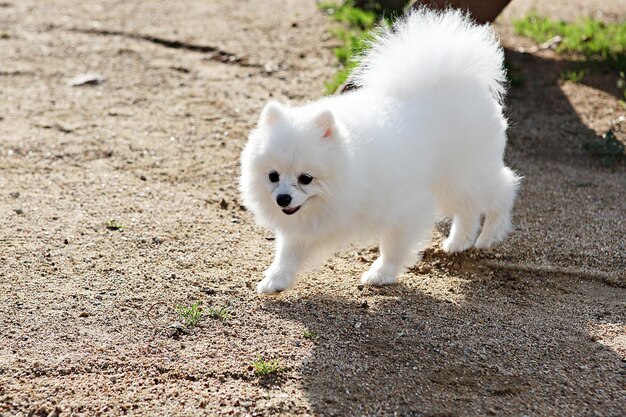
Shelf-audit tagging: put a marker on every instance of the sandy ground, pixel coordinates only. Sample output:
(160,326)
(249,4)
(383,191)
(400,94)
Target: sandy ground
(534,327)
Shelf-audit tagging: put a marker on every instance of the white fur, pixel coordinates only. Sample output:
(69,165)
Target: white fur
(423,135)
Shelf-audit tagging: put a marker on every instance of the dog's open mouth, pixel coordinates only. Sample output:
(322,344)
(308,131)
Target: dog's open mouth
(290,211)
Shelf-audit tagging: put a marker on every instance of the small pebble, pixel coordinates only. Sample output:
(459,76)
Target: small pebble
(177,326)
(86,79)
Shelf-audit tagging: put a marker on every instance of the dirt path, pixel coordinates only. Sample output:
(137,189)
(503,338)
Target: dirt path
(534,327)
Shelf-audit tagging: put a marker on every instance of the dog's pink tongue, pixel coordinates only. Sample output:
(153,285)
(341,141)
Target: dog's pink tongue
(291,211)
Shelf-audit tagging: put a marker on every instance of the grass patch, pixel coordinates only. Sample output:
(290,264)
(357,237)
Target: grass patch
(189,316)
(573,76)
(220,313)
(348,13)
(114,225)
(309,334)
(354,36)
(264,367)
(592,39)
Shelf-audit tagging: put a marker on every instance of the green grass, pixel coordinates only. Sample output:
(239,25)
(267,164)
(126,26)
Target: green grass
(114,225)
(264,367)
(592,39)
(309,334)
(190,315)
(354,36)
(221,313)
(573,76)
(347,13)
(353,44)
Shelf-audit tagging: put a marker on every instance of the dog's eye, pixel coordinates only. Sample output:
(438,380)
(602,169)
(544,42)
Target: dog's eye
(274,176)
(305,179)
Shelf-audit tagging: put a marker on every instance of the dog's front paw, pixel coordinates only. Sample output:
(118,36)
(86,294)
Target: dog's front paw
(378,277)
(274,282)
(451,245)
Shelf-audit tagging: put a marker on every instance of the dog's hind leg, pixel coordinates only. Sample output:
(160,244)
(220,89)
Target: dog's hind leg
(498,214)
(465,225)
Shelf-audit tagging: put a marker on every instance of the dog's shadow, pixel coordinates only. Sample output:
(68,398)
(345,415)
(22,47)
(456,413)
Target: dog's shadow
(570,204)
(504,340)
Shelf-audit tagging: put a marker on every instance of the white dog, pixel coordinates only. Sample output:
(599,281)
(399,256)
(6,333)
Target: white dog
(424,135)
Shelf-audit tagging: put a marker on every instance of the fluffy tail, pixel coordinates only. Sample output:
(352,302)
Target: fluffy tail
(426,48)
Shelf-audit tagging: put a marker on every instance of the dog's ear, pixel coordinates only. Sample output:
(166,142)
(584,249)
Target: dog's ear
(272,113)
(326,121)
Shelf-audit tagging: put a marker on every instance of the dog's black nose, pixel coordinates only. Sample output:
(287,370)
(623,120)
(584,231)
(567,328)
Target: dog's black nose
(283,200)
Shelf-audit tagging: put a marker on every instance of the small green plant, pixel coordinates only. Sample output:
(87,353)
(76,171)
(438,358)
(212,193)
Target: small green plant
(309,334)
(220,313)
(114,225)
(573,76)
(263,367)
(190,315)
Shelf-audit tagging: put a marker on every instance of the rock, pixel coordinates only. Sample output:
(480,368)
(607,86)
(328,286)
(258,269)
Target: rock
(177,326)
(86,79)
(270,68)
(552,43)
(18,210)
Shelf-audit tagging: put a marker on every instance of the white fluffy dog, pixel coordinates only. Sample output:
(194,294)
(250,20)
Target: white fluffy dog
(423,136)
